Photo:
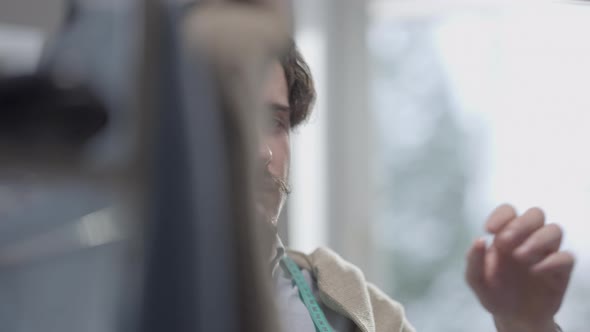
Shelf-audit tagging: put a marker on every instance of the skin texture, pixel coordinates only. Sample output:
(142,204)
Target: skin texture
(520,279)
(274,151)
(522,276)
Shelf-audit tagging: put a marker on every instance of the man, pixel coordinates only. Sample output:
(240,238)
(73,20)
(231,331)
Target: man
(520,279)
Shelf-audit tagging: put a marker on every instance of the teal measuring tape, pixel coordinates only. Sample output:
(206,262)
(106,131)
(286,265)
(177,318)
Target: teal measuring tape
(316,313)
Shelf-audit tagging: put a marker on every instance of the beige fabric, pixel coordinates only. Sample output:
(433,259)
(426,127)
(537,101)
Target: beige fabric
(343,288)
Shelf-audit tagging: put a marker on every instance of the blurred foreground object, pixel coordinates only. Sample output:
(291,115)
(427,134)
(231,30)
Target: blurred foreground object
(180,251)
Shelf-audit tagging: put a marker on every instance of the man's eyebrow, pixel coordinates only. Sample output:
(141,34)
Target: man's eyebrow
(280,107)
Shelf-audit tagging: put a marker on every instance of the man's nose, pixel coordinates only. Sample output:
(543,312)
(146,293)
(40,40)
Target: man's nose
(264,153)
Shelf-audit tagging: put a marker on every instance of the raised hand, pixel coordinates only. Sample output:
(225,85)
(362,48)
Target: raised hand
(522,276)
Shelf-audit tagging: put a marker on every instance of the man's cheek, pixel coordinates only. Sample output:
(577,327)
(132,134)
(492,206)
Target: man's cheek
(287,157)
(286,166)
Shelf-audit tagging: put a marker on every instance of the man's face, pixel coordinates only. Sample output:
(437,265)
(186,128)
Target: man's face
(273,148)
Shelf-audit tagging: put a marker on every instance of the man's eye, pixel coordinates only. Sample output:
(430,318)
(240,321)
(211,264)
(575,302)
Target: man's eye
(278,124)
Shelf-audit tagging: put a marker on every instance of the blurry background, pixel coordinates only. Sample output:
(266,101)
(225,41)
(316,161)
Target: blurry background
(430,113)
(61,260)
(24,26)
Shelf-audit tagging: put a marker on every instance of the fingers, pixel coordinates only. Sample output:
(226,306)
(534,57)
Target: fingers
(519,229)
(475,264)
(539,245)
(559,264)
(501,216)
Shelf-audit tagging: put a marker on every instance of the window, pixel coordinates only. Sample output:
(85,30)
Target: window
(474,108)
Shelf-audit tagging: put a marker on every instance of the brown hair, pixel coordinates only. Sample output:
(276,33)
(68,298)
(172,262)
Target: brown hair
(302,92)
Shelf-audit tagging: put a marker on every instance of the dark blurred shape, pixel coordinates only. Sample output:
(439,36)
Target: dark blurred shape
(171,178)
(205,254)
(35,110)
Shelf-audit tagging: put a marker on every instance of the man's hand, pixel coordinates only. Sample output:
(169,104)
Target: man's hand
(522,277)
